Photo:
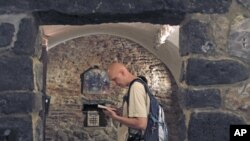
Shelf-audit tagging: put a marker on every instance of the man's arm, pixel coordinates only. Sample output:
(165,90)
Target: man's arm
(134,122)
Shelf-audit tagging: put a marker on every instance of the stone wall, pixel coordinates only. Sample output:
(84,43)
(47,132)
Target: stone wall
(214,45)
(215,84)
(67,61)
(21,110)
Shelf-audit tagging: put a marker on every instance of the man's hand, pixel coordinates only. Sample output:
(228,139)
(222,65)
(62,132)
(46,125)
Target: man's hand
(110,112)
(136,122)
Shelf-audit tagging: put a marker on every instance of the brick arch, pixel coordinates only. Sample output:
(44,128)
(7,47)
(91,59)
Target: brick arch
(168,52)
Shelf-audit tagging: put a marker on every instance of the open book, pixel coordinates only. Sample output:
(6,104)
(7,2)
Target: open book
(102,106)
(105,107)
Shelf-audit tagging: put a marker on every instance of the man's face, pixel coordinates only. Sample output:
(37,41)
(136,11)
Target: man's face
(117,77)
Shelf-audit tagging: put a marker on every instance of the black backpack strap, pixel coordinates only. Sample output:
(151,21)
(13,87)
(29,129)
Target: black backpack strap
(144,84)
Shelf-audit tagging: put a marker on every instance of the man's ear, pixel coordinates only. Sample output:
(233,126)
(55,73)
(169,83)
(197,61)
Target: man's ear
(123,71)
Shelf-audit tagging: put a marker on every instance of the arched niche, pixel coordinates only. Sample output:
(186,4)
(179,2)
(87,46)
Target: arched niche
(143,34)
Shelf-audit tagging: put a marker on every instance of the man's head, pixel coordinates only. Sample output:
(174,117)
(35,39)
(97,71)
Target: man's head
(118,73)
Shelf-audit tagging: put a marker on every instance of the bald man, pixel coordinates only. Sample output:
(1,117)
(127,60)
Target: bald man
(135,115)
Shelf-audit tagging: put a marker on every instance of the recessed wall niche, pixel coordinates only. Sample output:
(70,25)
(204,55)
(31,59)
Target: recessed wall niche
(69,59)
(94,80)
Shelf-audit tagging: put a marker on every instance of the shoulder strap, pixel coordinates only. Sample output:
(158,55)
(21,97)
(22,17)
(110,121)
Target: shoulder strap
(126,98)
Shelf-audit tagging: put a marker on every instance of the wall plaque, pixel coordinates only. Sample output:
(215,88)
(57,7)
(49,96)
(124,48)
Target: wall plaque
(94,81)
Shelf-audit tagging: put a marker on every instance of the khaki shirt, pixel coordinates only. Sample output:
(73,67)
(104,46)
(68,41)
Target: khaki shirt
(138,107)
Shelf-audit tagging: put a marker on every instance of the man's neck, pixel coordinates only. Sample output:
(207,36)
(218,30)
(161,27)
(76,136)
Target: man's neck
(131,78)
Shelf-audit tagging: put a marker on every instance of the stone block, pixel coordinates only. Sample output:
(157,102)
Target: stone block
(96,11)
(207,6)
(20,102)
(205,126)
(202,98)
(155,17)
(7,134)
(118,6)
(245,3)
(16,73)
(6,34)
(207,72)
(26,37)
(16,102)
(239,40)
(195,38)
(21,126)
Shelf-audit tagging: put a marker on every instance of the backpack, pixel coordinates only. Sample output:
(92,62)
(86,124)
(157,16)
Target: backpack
(156,126)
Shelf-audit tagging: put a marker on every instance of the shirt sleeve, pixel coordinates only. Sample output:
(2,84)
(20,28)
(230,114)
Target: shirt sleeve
(137,101)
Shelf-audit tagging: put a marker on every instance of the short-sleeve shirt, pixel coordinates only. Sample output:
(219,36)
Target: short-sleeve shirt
(138,107)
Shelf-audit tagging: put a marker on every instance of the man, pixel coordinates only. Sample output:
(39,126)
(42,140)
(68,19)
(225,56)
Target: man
(135,115)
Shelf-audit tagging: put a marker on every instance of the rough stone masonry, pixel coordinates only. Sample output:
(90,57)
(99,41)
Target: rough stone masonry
(214,91)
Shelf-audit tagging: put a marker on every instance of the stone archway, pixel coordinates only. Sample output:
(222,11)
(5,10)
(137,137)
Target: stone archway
(144,34)
(69,59)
